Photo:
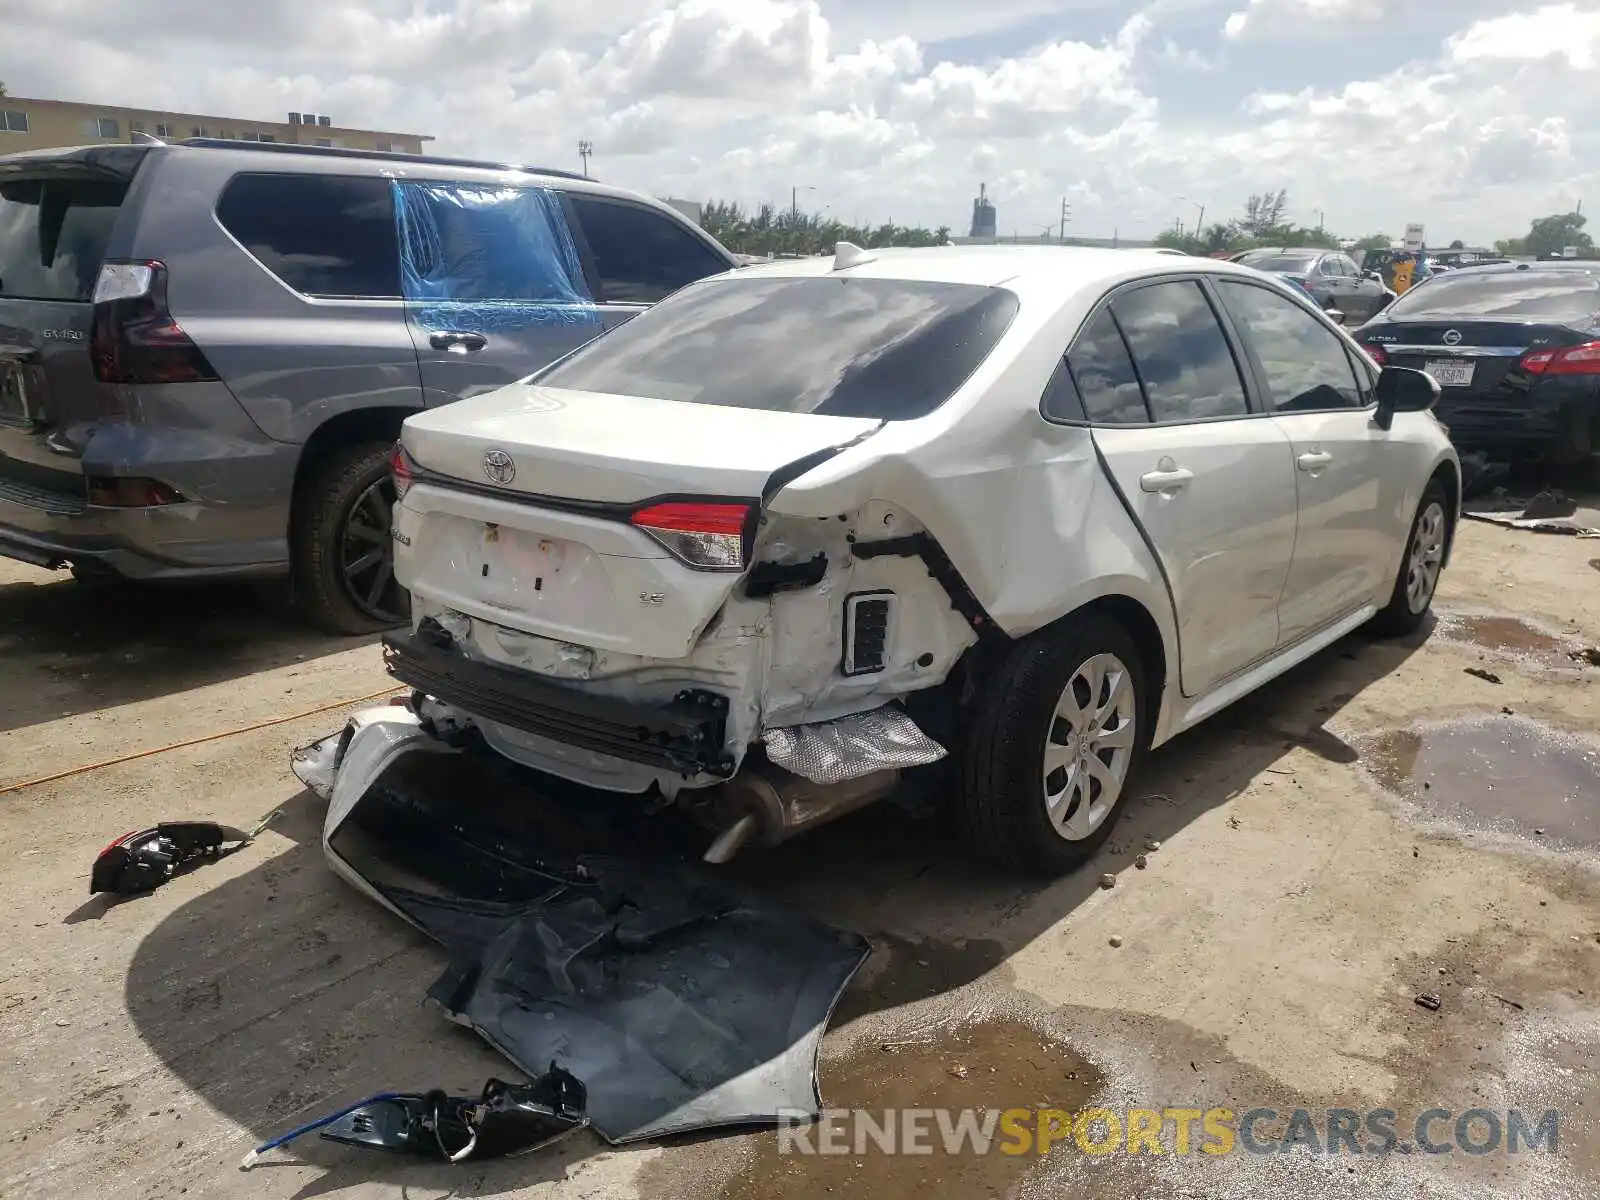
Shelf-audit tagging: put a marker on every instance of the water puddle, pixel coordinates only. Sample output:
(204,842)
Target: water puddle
(1508,635)
(981,1069)
(1504,772)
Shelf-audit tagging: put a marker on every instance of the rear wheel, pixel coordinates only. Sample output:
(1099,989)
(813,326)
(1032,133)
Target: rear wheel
(342,543)
(1418,578)
(1058,730)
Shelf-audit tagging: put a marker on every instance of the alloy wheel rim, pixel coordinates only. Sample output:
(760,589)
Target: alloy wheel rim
(366,555)
(1089,747)
(1425,558)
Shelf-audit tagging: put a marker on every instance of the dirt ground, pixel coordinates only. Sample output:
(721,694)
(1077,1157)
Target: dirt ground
(1381,824)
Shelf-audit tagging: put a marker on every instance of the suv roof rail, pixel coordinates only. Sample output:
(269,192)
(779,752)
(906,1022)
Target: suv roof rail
(211,143)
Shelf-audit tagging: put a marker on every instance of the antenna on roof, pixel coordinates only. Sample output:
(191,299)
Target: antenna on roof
(848,254)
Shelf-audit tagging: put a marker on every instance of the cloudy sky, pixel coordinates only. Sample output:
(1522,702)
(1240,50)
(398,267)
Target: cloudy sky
(1472,116)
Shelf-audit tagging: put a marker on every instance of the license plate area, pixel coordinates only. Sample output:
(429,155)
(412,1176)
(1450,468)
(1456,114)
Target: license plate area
(15,409)
(1451,372)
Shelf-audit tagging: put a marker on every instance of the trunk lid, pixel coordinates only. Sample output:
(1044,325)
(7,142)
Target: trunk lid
(591,447)
(56,220)
(523,511)
(1470,359)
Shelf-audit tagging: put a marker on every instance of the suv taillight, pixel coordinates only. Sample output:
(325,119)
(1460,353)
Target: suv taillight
(132,337)
(400,467)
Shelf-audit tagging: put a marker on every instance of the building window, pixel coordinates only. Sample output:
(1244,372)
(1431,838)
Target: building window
(14,122)
(328,142)
(163,130)
(197,131)
(248,136)
(135,126)
(108,127)
(386,147)
(266,137)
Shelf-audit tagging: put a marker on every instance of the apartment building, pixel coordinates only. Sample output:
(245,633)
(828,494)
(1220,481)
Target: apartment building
(27,124)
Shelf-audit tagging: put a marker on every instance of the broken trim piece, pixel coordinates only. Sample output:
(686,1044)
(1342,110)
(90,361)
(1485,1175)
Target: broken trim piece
(943,571)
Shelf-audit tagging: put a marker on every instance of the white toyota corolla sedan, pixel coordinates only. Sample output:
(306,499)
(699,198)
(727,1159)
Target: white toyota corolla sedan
(802,530)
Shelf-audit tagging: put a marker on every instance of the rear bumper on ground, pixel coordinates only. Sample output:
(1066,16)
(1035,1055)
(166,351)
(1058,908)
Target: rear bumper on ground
(179,541)
(686,736)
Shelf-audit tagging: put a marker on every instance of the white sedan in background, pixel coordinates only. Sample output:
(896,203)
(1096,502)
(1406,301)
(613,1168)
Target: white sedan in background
(806,528)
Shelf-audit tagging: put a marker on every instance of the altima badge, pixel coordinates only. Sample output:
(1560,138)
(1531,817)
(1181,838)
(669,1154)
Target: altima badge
(498,467)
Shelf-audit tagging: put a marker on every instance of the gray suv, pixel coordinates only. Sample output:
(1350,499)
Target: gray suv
(207,348)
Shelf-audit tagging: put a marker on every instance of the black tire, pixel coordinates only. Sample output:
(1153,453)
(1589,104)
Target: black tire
(1001,799)
(343,516)
(1425,543)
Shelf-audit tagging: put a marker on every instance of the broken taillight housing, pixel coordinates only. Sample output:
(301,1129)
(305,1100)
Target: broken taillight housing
(710,536)
(401,466)
(1569,360)
(133,337)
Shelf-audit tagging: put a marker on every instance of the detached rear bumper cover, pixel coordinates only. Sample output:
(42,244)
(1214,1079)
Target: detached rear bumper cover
(687,735)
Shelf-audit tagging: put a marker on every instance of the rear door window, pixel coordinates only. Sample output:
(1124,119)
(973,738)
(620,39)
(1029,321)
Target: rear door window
(1304,362)
(1105,376)
(887,348)
(323,235)
(1532,295)
(53,236)
(640,256)
(1181,353)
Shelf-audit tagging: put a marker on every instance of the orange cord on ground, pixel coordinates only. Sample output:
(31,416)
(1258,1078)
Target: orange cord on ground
(210,737)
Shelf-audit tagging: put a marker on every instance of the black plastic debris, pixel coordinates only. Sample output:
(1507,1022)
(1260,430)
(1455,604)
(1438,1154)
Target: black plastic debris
(580,935)
(507,1119)
(145,859)
(1480,673)
(1429,1001)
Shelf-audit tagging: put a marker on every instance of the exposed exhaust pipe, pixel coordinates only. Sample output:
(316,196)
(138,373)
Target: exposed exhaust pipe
(765,805)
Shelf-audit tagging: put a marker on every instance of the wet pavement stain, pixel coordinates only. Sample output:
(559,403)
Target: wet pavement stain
(985,1068)
(1506,773)
(905,970)
(1509,635)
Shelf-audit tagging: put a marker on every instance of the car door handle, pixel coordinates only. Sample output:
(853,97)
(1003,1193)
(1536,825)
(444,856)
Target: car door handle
(458,343)
(1315,460)
(1166,480)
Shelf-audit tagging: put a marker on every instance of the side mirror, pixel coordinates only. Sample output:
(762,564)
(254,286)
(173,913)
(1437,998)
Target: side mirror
(1334,315)
(1400,389)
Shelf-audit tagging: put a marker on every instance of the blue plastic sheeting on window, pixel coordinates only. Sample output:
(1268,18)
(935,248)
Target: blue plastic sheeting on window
(483,259)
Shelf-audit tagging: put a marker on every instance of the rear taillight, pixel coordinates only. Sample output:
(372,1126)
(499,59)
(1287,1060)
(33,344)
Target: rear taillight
(1376,354)
(1573,360)
(400,465)
(706,535)
(132,337)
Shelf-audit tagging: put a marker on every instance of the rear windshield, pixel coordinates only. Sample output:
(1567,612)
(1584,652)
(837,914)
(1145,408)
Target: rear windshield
(1507,295)
(1282,262)
(887,348)
(53,236)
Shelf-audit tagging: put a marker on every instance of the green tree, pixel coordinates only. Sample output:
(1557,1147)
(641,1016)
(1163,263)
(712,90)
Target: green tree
(1550,235)
(1172,239)
(1458,244)
(2,87)
(1264,211)
(769,230)
(1373,241)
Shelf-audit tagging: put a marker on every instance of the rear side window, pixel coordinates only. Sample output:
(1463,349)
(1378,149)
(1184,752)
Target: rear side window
(1182,355)
(1305,364)
(1504,295)
(1104,375)
(640,256)
(887,348)
(53,236)
(323,235)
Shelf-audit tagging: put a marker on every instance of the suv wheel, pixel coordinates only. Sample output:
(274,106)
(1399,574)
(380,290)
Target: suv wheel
(1056,734)
(1419,568)
(343,551)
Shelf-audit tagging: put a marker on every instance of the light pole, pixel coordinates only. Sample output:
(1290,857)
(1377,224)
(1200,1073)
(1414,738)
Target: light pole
(794,197)
(1199,220)
(585,149)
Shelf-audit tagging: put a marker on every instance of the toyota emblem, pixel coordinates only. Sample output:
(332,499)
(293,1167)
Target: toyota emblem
(498,467)
(1452,337)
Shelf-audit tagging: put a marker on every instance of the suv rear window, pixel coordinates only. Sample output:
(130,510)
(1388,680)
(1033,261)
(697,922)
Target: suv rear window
(53,236)
(894,349)
(323,235)
(1514,295)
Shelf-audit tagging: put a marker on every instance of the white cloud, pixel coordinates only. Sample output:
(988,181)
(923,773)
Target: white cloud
(1273,18)
(1490,125)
